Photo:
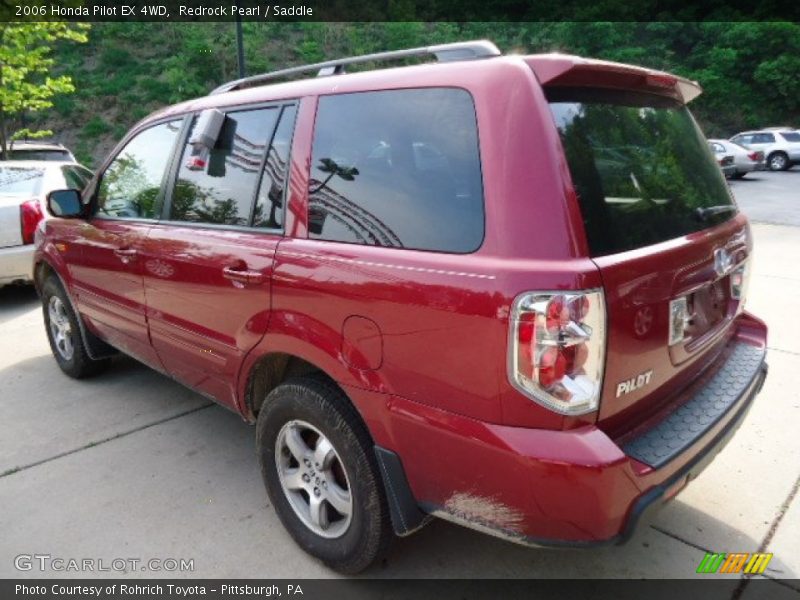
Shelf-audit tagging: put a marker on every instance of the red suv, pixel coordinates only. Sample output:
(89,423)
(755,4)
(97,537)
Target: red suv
(506,291)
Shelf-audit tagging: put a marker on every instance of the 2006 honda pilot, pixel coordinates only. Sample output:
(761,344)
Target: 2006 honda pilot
(506,291)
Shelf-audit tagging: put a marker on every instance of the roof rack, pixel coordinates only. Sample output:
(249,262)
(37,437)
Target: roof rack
(443,53)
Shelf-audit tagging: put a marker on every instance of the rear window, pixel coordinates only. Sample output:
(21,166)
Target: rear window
(398,168)
(791,137)
(20,181)
(39,155)
(640,166)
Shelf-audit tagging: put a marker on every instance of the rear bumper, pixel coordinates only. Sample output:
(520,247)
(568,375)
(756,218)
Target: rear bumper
(564,488)
(16,264)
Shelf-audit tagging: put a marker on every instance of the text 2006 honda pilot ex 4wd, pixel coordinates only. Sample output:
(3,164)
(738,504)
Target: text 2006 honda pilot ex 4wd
(503,291)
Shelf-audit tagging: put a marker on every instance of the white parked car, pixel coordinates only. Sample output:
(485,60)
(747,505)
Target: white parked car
(39,151)
(24,185)
(724,159)
(780,146)
(744,160)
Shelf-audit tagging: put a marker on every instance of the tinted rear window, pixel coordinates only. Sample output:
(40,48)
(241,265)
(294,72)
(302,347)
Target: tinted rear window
(791,137)
(19,181)
(640,166)
(398,168)
(39,155)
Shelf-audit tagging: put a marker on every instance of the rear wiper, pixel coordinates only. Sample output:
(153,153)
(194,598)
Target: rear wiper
(704,212)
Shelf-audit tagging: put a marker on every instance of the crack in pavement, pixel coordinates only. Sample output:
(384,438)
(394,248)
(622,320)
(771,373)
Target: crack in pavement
(792,352)
(773,528)
(679,538)
(116,436)
(745,580)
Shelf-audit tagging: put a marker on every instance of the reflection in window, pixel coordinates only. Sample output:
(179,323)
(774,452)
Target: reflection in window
(221,191)
(397,168)
(269,204)
(640,166)
(131,184)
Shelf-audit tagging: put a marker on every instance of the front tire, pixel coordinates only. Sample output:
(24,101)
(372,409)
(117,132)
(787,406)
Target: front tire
(64,334)
(778,161)
(321,474)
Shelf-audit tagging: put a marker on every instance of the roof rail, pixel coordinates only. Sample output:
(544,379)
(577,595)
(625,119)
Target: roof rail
(443,53)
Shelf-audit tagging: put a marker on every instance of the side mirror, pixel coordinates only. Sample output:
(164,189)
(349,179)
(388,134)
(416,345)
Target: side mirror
(65,204)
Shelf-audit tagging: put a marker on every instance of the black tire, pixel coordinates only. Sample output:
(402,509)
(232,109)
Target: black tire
(76,364)
(318,402)
(738,175)
(778,161)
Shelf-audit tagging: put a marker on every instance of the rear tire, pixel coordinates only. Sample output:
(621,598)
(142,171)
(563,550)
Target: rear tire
(314,450)
(64,333)
(778,161)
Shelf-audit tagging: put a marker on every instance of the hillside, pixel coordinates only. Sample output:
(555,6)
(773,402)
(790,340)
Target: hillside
(749,70)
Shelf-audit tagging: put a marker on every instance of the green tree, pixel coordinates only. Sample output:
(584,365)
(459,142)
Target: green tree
(25,81)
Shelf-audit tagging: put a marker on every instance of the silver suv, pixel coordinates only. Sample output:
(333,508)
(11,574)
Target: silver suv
(780,146)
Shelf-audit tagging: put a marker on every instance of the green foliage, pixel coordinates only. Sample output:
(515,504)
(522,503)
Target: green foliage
(95,127)
(25,61)
(127,70)
(27,134)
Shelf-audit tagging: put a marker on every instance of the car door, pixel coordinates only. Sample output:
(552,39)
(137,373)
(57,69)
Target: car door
(107,272)
(207,265)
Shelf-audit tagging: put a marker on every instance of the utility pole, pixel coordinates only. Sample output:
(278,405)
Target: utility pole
(239,42)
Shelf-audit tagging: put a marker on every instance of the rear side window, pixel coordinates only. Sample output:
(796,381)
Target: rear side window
(222,190)
(640,166)
(793,136)
(39,155)
(764,138)
(397,168)
(269,207)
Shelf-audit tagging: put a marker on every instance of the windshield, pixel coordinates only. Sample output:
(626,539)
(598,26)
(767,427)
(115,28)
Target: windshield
(640,166)
(20,181)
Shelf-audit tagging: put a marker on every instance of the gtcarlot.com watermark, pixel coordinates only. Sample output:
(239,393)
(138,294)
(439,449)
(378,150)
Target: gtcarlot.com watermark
(60,564)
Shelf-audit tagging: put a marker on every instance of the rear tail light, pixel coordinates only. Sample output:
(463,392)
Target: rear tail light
(753,156)
(678,320)
(557,349)
(740,278)
(30,213)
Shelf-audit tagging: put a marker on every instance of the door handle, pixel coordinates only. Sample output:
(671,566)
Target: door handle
(126,254)
(242,275)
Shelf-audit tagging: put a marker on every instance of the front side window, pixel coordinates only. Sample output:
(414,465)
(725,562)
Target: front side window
(640,167)
(130,187)
(397,168)
(221,189)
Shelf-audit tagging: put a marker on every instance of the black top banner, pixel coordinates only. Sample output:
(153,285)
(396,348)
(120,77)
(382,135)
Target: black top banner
(397,10)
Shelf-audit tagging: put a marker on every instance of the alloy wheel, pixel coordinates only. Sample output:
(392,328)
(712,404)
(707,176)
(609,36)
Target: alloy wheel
(60,328)
(314,479)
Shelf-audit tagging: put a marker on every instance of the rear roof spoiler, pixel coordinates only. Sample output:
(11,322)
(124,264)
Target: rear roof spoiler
(568,70)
